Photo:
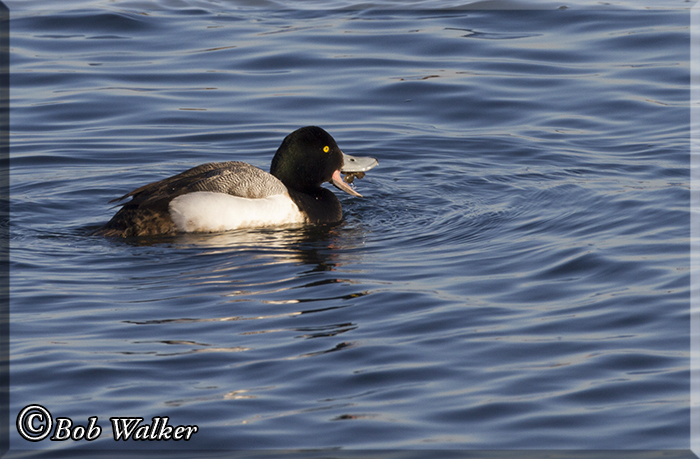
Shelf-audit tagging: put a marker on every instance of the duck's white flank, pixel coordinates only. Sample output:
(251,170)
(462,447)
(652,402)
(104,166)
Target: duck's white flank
(205,211)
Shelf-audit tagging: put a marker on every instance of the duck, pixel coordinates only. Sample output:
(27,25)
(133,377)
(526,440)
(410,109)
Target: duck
(222,196)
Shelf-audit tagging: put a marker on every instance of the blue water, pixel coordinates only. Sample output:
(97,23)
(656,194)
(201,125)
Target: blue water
(515,277)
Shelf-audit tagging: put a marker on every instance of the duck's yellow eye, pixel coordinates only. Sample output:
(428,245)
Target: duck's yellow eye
(326,149)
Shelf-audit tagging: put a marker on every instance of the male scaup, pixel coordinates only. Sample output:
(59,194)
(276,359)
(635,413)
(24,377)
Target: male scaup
(229,195)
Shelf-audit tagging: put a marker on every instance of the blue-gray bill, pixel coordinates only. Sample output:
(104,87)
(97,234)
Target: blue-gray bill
(353,166)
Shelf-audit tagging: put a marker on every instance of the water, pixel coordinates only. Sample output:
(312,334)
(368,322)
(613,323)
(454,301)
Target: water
(516,276)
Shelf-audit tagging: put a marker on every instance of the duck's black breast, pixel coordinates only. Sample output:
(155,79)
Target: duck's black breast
(319,206)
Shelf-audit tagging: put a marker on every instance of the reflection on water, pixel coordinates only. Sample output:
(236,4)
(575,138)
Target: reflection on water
(308,244)
(224,261)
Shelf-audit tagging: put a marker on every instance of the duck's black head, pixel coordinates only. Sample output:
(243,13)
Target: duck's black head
(309,157)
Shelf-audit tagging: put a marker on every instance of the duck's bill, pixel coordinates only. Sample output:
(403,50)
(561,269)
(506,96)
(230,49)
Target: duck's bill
(357,163)
(352,165)
(338,182)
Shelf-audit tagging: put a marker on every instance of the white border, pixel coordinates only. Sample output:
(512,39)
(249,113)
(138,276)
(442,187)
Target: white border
(694,229)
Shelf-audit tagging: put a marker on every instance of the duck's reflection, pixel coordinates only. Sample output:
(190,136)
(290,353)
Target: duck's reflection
(312,245)
(265,281)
